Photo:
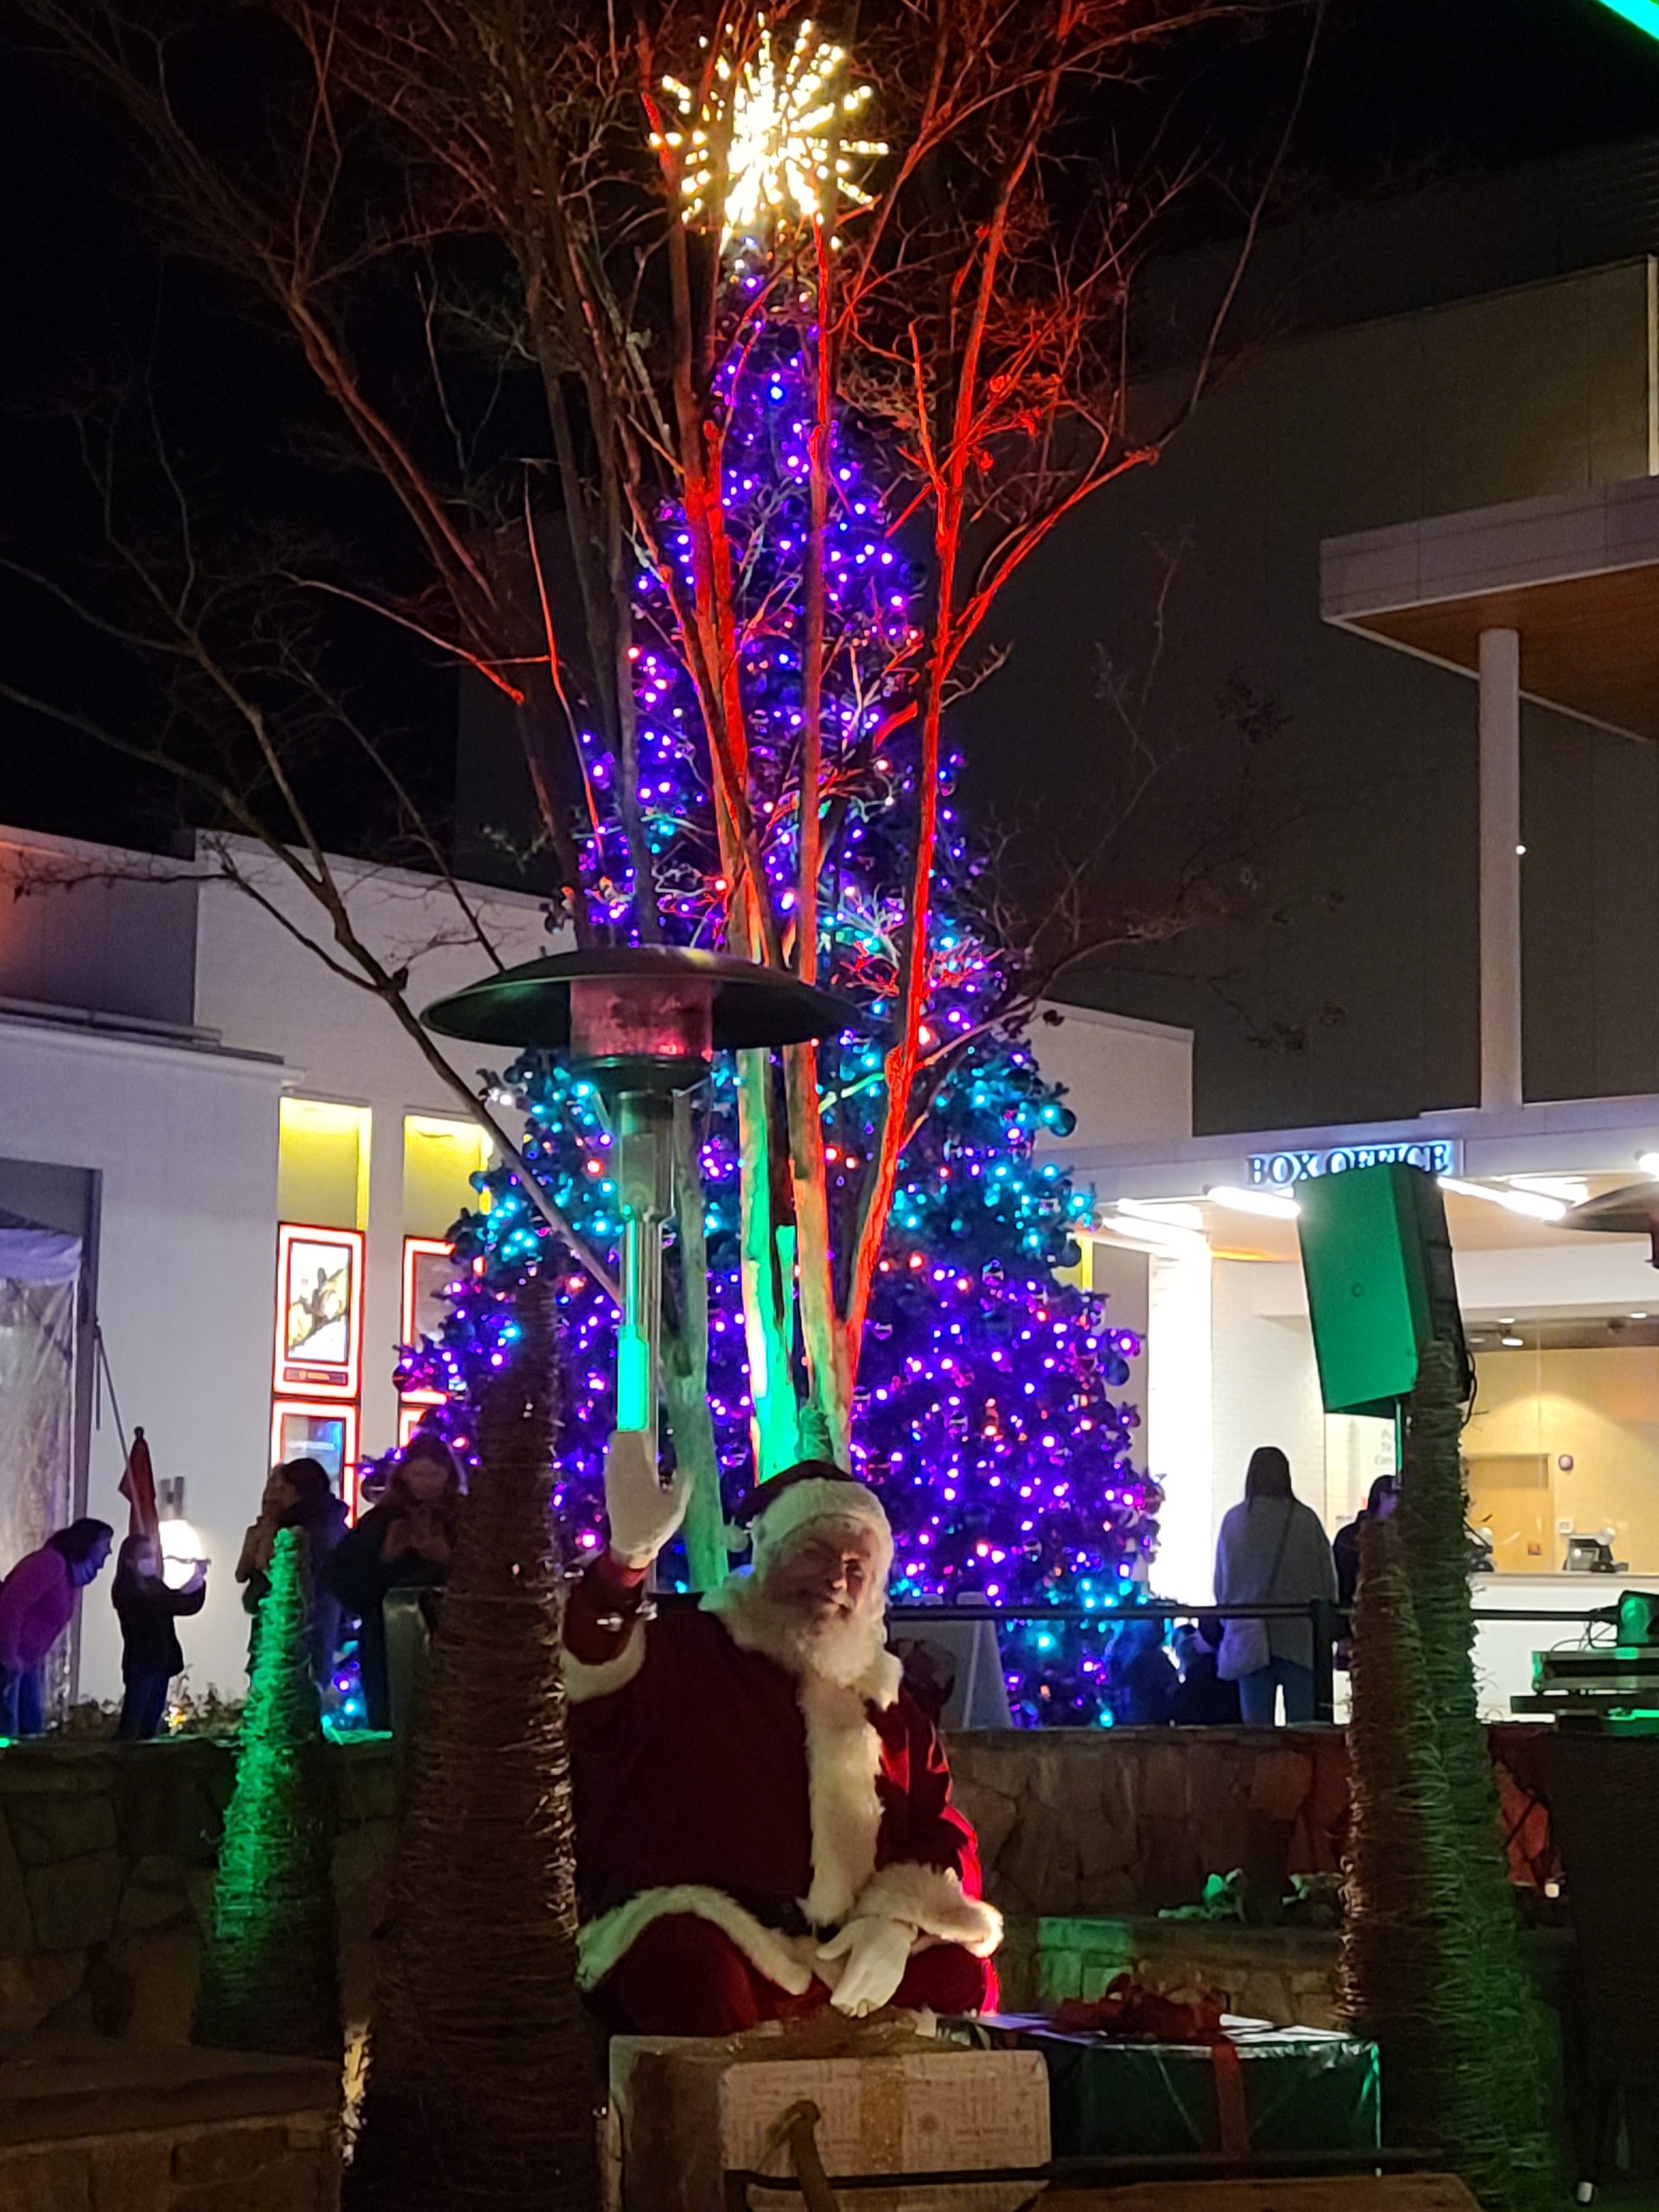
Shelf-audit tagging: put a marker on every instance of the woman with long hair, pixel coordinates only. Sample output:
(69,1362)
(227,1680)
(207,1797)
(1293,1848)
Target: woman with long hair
(1272,1551)
(37,1603)
(405,1542)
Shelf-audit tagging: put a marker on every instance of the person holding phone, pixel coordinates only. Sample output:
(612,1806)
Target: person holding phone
(148,1608)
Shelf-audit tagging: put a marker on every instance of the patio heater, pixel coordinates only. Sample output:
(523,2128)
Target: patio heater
(1633,1211)
(644,1022)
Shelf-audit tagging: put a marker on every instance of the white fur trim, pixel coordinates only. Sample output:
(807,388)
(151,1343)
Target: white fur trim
(605,1943)
(844,1758)
(843,1752)
(818,1498)
(932,1899)
(586,1680)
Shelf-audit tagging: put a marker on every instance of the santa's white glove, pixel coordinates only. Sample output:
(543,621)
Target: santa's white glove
(643,1513)
(877,1951)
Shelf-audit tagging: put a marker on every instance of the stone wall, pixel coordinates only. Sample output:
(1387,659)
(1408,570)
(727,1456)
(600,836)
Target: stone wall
(107,1851)
(113,2130)
(1132,1819)
(107,1854)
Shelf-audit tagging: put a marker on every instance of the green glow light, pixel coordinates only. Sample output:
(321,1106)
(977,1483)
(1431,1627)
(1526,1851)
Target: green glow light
(1644,14)
(633,1381)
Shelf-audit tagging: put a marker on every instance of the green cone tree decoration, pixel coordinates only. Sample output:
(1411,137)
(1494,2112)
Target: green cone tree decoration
(479,2094)
(1432,1961)
(269,1970)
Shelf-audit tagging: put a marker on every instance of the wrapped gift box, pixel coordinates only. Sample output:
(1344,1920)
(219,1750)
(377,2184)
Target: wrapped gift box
(684,2112)
(1267,2090)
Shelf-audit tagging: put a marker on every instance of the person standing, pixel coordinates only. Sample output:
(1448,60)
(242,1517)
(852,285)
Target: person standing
(298,1495)
(406,1542)
(147,1608)
(1273,1551)
(1344,1549)
(37,1603)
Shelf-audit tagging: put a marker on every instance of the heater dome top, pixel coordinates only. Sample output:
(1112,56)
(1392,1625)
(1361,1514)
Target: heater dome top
(748,1005)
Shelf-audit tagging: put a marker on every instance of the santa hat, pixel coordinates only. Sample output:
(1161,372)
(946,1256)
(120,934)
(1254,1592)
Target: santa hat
(817,1491)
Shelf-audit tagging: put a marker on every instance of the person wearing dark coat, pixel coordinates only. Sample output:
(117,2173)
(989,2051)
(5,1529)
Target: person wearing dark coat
(151,1654)
(1344,1546)
(406,1542)
(1140,1677)
(1203,1700)
(298,1495)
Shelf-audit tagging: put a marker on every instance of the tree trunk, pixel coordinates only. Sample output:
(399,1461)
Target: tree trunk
(1432,1959)
(479,2098)
(685,1368)
(768,1275)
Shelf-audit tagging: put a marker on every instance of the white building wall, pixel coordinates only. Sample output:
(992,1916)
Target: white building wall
(1178,1412)
(261,988)
(184,1143)
(1127,1082)
(1266,1388)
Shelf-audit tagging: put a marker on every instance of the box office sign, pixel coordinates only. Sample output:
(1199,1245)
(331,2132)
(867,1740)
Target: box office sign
(1277,1171)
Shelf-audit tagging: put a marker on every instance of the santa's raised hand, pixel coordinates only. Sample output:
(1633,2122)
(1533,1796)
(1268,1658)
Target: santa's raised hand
(643,1511)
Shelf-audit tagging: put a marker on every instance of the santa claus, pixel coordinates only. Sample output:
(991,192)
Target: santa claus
(764,1817)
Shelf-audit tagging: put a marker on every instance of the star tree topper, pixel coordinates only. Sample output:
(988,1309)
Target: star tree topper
(779,115)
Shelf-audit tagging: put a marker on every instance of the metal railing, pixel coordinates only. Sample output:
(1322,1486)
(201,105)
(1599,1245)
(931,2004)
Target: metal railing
(1329,1624)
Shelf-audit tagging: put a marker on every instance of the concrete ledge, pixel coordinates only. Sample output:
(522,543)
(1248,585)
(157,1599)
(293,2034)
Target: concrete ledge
(114,2090)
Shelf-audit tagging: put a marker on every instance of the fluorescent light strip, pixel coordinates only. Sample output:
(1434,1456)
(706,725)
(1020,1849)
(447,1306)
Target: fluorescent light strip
(1571,1189)
(1163,1213)
(1644,14)
(1521,1202)
(1262,1202)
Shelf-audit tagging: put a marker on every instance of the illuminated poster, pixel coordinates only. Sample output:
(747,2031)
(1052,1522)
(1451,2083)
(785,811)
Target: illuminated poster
(429,1270)
(325,1433)
(319,1310)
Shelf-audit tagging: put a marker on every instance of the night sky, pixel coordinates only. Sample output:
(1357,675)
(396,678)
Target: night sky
(1406,90)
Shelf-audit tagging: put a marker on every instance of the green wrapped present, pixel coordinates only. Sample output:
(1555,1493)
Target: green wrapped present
(1261,2091)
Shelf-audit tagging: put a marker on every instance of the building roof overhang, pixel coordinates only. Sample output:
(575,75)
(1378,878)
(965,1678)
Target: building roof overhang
(1576,576)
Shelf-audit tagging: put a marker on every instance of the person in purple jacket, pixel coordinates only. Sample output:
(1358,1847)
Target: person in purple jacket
(37,1603)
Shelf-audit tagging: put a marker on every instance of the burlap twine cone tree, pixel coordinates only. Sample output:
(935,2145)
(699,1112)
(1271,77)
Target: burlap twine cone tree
(479,2096)
(1432,1965)
(270,1969)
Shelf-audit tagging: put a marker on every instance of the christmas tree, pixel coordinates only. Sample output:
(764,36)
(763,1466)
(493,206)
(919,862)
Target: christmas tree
(986,1411)
(269,1973)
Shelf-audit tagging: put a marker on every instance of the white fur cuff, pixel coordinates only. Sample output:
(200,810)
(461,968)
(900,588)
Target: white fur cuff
(585,1679)
(932,1899)
(785,1961)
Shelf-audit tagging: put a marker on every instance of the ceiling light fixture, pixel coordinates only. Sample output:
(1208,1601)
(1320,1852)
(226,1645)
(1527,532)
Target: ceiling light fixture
(1526,1202)
(1262,1202)
(1163,1213)
(1571,1189)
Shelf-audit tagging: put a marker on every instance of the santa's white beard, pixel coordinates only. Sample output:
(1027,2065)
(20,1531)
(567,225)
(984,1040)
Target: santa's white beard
(842,1648)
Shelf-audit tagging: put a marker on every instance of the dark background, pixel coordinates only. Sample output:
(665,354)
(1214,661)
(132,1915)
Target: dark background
(1408,98)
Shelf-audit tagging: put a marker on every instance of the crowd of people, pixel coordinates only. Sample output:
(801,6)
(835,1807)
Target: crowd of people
(405,1540)
(1272,1551)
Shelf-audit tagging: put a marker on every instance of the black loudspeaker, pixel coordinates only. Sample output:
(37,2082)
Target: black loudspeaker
(1381,1285)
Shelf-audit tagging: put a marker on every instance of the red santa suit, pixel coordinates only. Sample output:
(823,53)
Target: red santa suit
(736,1806)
